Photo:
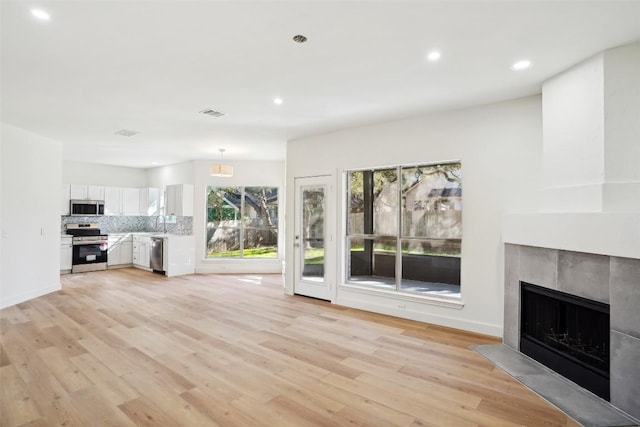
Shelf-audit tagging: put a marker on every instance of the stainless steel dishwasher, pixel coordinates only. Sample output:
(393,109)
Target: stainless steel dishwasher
(157,254)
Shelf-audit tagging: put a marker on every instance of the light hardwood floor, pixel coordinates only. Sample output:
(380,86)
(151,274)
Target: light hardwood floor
(127,347)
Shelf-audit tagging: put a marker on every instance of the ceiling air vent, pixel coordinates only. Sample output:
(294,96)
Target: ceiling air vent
(211,112)
(125,132)
(299,38)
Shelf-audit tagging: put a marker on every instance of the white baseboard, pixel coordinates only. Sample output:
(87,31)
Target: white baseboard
(26,296)
(245,267)
(413,312)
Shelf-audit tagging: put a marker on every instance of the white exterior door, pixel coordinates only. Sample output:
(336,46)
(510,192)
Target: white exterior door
(314,247)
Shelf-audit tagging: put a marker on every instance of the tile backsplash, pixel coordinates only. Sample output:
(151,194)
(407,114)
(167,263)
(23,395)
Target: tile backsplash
(124,224)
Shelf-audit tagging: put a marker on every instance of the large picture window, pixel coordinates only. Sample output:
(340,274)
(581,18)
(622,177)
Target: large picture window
(404,228)
(242,222)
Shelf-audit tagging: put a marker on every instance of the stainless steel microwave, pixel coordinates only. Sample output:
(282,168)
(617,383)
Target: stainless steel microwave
(86,207)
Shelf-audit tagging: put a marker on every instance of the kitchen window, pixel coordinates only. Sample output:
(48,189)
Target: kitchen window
(242,222)
(404,228)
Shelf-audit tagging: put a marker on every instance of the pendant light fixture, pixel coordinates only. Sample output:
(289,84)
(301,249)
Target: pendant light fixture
(220,169)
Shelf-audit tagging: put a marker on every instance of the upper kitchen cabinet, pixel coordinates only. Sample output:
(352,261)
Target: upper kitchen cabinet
(150,202)
(65,197)
(86,192)
(122,201)
(179,200)
(117,200)
(112,200)
(131,201)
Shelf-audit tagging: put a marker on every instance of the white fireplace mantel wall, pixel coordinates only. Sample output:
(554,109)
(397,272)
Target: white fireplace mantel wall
(605,233)
(591,135)
(590,197)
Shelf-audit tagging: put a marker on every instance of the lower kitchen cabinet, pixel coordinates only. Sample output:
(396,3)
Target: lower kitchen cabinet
(179,255)
(141,251)
(126,253)
(66,254)
(120,250)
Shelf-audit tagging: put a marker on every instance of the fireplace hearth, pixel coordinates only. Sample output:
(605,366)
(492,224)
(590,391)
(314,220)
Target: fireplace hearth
(568,334)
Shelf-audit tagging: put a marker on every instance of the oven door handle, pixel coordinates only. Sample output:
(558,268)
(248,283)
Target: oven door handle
(90,242)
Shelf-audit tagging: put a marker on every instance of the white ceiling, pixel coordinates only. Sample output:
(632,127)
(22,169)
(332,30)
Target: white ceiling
(150,66)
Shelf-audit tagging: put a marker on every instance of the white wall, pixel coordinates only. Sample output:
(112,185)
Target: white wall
(247,173)
(31,178)
(500,147)
(95,174)
(1,205)
(178,173)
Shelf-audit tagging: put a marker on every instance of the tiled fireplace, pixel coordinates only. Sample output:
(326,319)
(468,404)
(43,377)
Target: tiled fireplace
(605,279)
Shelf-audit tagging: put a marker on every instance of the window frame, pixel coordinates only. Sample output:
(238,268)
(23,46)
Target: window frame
(400,238)
(242,227)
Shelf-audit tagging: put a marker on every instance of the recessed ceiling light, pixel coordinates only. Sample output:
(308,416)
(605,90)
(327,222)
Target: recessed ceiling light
(154,163)
(521,65)
(433,56)
(40,14)
(277,101)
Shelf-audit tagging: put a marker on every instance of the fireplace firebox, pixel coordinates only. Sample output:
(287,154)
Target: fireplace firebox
(568,334)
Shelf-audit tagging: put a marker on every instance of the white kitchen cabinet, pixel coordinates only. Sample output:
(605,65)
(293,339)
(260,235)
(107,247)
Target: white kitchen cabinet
(179,200)
(131,202)
(150,202)
(113,256)
(143,201)
(66,254)
(86,192)
(126,252)
(121,201)
(95,192)
(120,250)
(179,255)
(141,251)
(112,200)
(65,197)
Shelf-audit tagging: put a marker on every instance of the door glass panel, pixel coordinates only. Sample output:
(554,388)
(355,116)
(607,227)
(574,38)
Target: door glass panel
(312,242)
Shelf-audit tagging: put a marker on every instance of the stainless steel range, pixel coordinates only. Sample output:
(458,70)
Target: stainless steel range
(90,247)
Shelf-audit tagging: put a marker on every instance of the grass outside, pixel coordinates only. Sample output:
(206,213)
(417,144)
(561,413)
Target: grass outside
(392,250)
(265,252)
(313,256)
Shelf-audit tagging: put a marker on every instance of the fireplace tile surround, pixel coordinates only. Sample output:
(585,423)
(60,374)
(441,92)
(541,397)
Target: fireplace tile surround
(608,279)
